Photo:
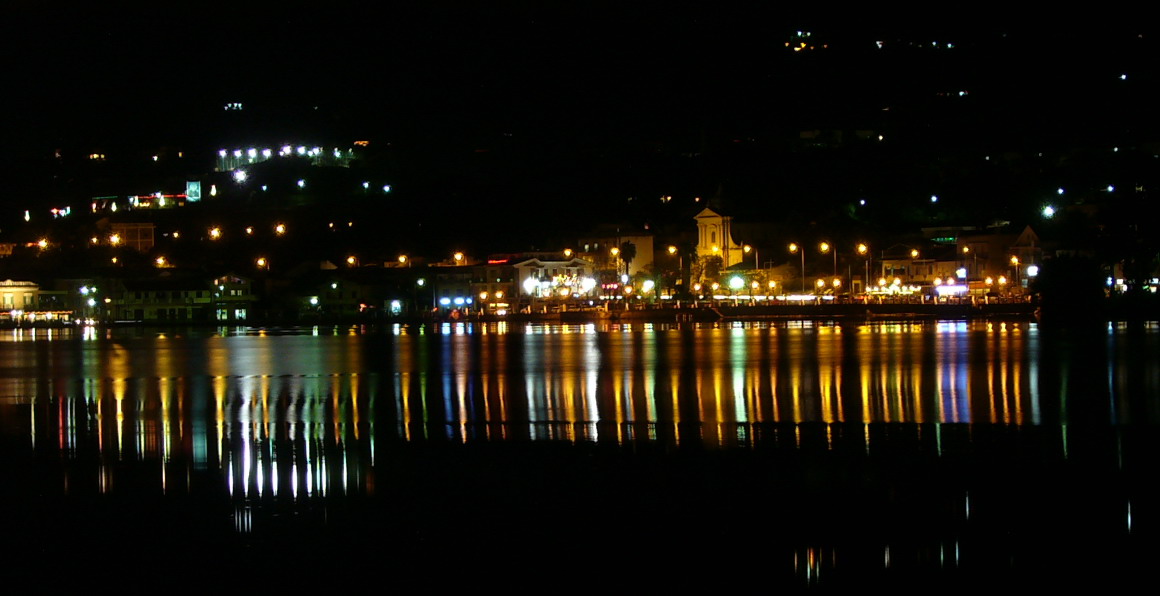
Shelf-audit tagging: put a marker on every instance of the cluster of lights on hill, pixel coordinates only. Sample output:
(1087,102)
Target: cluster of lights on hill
(229,160)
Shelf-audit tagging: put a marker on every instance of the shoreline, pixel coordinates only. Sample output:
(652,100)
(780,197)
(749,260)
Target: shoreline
(1024,311)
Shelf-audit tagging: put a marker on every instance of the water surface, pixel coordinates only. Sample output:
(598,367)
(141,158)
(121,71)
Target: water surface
(817,453)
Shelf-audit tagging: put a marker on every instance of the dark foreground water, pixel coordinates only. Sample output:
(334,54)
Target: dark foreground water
(583,458)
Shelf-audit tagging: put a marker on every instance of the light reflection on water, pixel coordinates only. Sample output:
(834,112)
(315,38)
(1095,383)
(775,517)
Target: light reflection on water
(576,383)
(302,415)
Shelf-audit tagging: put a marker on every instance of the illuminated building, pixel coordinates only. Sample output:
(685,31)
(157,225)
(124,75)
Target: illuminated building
(715,238)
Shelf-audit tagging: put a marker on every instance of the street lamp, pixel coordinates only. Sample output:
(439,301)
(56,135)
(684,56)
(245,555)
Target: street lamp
(794,248)
(825,248)
(673,250)
(458,258)
(756,259)
(1015,266)
(864,251)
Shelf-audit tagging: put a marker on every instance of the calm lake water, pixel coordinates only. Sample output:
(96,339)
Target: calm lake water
(743,455)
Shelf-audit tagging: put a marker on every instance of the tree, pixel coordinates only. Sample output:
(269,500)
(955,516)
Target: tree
(711,267)
(627,254)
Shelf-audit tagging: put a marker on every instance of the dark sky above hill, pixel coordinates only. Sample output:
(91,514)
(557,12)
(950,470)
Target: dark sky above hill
(589,97)
(522,67)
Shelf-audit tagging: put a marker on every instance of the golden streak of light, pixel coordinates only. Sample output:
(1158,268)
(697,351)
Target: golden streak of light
(356,415)
(166,431)
(1004,374)
(220,388)
(335,403)
(753,397)
(865,375)
(796,397)
(617,405)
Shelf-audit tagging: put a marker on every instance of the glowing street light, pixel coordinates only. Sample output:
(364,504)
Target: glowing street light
(825,247)
(794,249)
(352,260)
(42,243)
(403,260)
(280,229)
(864,251)
(567,253)
(161,261)
(262,263)
(458,258)
(115,239)
(215,233)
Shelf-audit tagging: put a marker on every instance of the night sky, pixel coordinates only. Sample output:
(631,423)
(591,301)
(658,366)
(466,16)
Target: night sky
(607,108)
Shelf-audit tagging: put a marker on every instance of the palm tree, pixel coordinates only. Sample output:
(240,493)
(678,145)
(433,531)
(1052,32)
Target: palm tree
(627,254)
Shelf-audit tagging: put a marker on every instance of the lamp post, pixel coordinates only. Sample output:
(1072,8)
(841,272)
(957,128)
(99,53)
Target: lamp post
(673,250)
(1015,265)
(825,248)
(794,248)
(864,251)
